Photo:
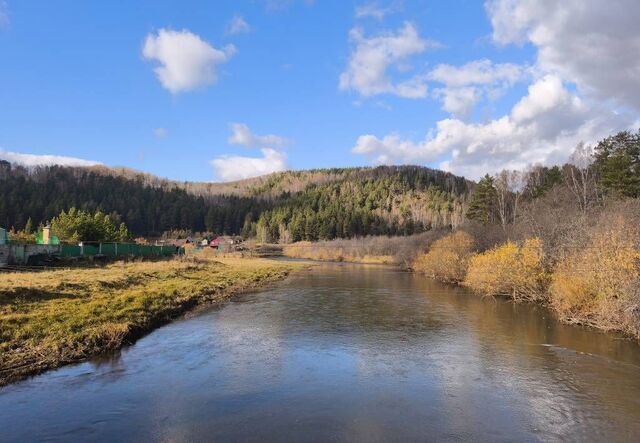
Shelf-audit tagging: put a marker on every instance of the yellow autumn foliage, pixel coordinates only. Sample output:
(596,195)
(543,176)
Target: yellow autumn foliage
(600,285)
(448,258)
(510,270)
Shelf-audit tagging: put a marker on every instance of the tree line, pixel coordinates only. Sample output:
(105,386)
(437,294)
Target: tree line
(611,168)
(317,204)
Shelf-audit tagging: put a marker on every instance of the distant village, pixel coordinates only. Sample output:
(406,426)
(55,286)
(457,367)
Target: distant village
(47,249)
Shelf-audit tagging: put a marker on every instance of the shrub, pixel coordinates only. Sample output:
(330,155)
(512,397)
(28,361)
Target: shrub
(599,285)
(448,258)
(510,270)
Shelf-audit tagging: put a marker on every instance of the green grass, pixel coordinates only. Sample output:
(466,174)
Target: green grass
(51,318)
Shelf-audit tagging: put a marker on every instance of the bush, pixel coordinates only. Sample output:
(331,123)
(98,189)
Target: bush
(510,270)
(600,284)
(448,258)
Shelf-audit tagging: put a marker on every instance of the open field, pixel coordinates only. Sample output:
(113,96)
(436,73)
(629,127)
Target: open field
(51,318)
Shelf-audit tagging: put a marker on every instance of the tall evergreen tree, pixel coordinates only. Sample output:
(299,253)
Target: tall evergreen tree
(482,201)
(617,159)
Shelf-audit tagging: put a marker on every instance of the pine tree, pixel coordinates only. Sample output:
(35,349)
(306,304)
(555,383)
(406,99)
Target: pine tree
(482,201)
(618,163)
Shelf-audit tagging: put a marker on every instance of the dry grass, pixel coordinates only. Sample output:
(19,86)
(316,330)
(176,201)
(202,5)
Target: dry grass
(600,284)
(510,270)
(448,258)
(376,250)
(51,318)
(326,251)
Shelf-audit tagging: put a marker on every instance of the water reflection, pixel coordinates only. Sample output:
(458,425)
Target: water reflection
(344,352)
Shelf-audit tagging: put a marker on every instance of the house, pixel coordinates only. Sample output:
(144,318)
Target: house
(224,242)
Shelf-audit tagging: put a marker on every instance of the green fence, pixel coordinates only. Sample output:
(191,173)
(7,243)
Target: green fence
(119,250)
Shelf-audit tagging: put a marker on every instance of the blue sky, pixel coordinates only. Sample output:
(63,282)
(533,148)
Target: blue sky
(314,84)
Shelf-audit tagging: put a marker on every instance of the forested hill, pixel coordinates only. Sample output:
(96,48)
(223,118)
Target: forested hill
(287,206)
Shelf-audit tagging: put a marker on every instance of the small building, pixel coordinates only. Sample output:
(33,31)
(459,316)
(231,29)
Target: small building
(225,242)
(44,237)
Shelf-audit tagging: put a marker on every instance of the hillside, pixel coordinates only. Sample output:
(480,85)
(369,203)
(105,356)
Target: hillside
(309,205)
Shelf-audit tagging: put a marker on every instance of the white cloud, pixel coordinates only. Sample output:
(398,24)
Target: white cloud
(160,132)
(186,61)
(376,11)
(43,160)
(542,127)
(593,44)
(242,135)
(458,101)
(238,25)
(477,72)
(466,85)
(4,15)
(230,168)
(371,59)
(589,45)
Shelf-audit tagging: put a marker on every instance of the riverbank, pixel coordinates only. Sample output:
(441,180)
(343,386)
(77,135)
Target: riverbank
(324,251)
(52,318)
(591,278)
(366,250)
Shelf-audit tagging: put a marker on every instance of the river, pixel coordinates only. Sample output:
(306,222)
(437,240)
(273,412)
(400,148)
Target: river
(344,353)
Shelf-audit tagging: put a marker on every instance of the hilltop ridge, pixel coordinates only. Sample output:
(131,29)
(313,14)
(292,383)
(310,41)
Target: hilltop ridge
(346,201)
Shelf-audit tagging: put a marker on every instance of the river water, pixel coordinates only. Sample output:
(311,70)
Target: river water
(344,353)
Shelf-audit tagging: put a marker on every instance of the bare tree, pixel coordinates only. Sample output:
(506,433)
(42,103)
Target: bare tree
(501,184)
(517,183)
(579,176)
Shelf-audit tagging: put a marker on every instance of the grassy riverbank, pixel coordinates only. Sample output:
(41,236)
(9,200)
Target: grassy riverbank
(589,276)
(51,318)
(369,250)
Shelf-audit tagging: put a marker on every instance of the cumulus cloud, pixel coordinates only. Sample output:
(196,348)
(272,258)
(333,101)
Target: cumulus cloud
(230,168)
(376,11)
(238,25)
(584,86)
(592,44)
(541,128)
(43,160)
(242,135)
(367,71)
(465,85)
(478,72)
(458,101)
(186,62)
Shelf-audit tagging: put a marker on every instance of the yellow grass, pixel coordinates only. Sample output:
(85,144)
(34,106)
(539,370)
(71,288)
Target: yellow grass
(447,259)
(510,270)
(326,251)
(51,318)
(600,285)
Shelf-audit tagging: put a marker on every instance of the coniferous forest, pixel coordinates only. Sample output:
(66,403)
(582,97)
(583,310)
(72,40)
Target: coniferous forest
(288,206)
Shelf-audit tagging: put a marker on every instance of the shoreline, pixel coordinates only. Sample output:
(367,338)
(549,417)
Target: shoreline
(84,313)
(543,303)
